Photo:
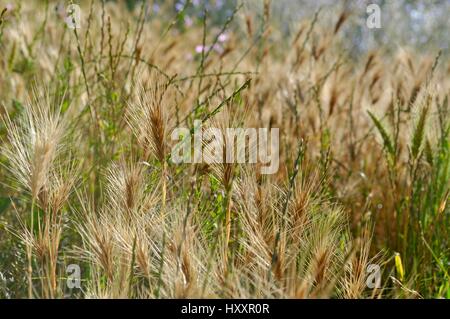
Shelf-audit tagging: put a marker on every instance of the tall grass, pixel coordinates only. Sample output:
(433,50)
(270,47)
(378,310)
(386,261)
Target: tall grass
(87,176)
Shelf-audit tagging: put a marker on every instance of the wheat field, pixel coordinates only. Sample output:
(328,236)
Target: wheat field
(357,207)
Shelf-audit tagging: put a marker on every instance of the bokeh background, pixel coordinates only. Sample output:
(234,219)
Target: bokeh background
(421,24)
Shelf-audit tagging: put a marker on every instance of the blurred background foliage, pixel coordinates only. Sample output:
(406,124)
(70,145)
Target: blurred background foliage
(416,23)
(421,25)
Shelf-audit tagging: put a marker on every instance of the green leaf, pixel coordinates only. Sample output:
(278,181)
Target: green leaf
(4,204)
(18,107)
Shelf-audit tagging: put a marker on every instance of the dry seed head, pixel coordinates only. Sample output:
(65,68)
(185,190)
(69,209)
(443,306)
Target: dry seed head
(125,186)
(34,142)
(146,119)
